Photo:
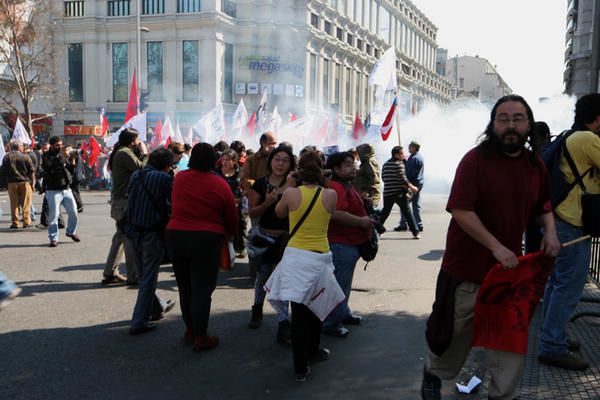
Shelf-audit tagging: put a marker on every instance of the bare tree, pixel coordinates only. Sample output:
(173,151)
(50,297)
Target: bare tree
(27,55)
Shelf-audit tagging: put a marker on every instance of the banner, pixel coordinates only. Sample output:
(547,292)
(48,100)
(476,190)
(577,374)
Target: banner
(211,127)
(138,122)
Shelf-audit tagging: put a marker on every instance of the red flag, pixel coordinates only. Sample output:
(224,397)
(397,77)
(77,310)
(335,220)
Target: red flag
(386,127)
(251,125)
(95,150)
(157,134)
(132,105)
(103,122)
(506,302)
(358,129)
(293,117)
(168,142)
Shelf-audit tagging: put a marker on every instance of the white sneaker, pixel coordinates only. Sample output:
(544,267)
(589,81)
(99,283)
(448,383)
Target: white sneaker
(4,302)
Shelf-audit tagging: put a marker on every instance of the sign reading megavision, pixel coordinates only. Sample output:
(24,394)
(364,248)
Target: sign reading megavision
(272,64)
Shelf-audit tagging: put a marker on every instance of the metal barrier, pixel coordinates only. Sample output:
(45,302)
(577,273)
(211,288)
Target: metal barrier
(594,277)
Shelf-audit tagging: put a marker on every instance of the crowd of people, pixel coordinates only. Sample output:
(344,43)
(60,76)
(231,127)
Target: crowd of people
(304,220)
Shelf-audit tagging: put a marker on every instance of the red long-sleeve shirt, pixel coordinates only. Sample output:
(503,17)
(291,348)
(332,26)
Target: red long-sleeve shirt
(203,201)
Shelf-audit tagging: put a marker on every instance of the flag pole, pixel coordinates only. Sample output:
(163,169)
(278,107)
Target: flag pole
(575,241)
(398,119)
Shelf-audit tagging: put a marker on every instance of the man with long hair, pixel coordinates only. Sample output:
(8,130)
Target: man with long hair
(499,185)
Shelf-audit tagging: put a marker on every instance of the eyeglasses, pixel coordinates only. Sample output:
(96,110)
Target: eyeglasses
(518,120)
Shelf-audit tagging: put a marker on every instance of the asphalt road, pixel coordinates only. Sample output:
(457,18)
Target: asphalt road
(66,336)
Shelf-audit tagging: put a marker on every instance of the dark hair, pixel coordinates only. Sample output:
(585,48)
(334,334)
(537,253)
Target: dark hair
(265,136)
(587,109)
(285,150)
(128,136)
(238,147)
(540,136)
(187,147)
(396,150)
(310,167)
(54,139)
(337,159)
(161,158)
(203,157)
(231,154)
(221,146)
(415,145)
(288,145)
(176,147)
(486,139)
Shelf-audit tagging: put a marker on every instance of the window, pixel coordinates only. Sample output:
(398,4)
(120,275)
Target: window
(74,8)
(150,7)
(117,8)
(462,83)
(349,39)
(228,74)
(357,95)
(337,84)
(339,34)
(376,54)
(365,86)
(155,71)
(325,83)
(191,70)
(347,104)
(120,70)
(188,6)
(314,79)
(229,7)
(314,20)
(327,27)
(75,51)
(359,44)
(368,50)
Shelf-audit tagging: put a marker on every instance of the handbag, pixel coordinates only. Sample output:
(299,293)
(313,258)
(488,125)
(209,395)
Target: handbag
(590,203)
(285,238)
(368,250)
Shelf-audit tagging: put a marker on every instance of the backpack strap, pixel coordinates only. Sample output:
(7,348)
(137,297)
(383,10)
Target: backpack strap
(578,178)
(310,207)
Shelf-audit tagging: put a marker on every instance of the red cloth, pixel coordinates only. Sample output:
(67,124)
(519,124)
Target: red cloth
(132,104)
(95,151)
(505,193)
(251,125)
(507,301)
(349,200)
(358,130)
(203,201)
(157,140)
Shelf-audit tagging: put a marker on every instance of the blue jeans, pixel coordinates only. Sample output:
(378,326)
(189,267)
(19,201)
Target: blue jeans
(415,203)
(55,199)
(149,251)
(344,258)
(564,288)
(6,286)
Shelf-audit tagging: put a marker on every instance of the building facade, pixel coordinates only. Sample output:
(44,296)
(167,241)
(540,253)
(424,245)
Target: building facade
(582,42)
(308,55)
(477,76)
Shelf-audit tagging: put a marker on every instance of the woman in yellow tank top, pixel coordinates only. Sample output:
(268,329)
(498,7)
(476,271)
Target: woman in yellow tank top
(304,275)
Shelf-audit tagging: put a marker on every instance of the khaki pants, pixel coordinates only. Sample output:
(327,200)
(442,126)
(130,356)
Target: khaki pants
(505,368)
(20,195)
(120,244)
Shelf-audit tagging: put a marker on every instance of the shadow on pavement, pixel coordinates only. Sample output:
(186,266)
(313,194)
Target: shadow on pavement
(432,255)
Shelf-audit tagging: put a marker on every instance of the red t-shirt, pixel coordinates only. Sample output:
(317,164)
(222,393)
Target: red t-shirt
(505,193)
(202,201)
(349,200)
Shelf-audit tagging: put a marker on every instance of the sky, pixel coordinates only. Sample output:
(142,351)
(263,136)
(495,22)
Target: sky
(524,39)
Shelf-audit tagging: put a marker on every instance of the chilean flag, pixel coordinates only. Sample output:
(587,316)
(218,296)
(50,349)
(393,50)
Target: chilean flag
(388,124)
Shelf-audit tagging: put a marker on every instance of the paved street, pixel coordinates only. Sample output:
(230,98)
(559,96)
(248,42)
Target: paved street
(66,336)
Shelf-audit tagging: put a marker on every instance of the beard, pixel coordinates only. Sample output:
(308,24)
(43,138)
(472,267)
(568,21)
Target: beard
(511,146)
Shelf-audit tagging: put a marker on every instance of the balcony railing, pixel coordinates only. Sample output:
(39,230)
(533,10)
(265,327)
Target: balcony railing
(150,7)
(229,7)
(188,6)
(74,8)
(117,8)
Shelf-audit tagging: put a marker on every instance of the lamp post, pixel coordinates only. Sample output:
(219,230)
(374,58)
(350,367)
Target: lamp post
(139,31)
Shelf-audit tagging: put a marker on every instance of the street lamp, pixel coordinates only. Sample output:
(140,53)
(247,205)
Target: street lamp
(139,31)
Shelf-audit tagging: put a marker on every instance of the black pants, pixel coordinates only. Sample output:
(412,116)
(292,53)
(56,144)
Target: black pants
(402,201)
(195,256)
(77,196)
(306,336)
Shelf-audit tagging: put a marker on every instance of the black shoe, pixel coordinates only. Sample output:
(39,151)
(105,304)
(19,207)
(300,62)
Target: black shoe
(132,283)
(257,316)
(73,237)
(322,355)
(420,229)
(567,360)
(116,278)
(53,243)
(301,376)
(401,228)
(61,226)
(142,330)
(13,226)
(431,386)
(354,320)
(573,344)
(79,210)
(284,332)
(339,332)
(169,306)
(42,226)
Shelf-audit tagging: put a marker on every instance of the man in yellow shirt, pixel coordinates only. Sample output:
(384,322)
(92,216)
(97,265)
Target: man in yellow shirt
(566,283)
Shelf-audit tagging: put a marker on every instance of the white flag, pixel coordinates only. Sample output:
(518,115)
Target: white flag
(2,150)
(299,131)
(275,123)
(20,133)
(137,122)
(167,131)
(211,127)
(240,116)
(383,75)
(178,136)
(189,136)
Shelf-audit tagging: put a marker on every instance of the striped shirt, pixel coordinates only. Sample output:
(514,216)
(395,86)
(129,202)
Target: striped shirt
(141,208)
(394,178)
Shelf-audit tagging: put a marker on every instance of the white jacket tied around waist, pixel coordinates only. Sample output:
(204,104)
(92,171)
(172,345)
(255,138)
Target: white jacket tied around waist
(306,277)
